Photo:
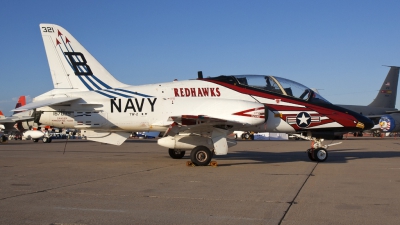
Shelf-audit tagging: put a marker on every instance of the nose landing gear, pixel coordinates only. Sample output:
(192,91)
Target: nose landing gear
(318,151)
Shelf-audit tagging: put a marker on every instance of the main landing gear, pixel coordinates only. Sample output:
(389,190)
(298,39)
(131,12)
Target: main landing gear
(199,156)
(176,153)
(46,139)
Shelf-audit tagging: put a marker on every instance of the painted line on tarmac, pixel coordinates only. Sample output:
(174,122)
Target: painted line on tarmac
(294,199)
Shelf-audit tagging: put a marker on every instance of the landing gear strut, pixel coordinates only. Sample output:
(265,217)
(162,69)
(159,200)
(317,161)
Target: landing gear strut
(318,152)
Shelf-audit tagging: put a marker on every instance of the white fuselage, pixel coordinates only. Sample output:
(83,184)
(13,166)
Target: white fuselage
(149,107)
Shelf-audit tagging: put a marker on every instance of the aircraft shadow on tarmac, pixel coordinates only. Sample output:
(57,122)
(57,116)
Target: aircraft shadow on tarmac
(235,157)
(335,156)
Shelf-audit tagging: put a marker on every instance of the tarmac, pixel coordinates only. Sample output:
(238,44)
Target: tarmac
(258,182)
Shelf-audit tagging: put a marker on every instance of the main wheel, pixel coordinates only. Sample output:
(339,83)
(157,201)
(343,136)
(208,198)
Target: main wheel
(176,154)
(35,140)
(310,154)
(201,156)
(45,140)
(246,136)
(320,154)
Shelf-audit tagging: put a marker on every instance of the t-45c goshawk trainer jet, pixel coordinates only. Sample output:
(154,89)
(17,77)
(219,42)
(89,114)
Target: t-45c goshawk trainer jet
(195,115)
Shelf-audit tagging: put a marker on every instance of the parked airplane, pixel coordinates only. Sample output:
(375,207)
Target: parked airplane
(194,115)
(382,110)
(20,123)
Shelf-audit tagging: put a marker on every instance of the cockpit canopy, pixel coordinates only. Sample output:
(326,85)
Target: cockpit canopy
(275,84)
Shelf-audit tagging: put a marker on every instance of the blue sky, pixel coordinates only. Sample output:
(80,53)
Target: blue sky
(336,46)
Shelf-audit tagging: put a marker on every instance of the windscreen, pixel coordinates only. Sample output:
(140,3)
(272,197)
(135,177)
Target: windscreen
(281,86)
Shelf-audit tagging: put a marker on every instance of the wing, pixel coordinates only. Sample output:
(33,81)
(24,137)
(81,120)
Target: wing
(45,102)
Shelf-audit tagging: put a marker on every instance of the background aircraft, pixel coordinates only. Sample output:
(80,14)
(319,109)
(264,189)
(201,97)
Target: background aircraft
(382,109)
(195,115)
(20,123)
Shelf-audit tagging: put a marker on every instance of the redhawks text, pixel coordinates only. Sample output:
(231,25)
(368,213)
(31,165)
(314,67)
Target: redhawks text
(197,92)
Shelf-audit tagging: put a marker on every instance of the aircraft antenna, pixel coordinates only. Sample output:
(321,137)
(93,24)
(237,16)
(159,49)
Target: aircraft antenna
(200,75)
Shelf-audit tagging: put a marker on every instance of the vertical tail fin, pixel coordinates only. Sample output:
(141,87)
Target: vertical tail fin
(21,102)
(71,65)
(1,115)
(386,97)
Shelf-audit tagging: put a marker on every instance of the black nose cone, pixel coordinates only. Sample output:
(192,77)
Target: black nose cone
(368,123)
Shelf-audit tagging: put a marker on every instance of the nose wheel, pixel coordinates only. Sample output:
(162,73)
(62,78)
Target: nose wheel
(318,152)
(318,155)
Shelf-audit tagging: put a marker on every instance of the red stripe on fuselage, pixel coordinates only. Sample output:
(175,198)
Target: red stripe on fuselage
(343,118)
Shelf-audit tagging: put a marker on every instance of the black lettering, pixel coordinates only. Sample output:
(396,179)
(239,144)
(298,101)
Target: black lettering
(118,107)
(48,29)
(77,63)
(152,103)
(140,107)
(129,102)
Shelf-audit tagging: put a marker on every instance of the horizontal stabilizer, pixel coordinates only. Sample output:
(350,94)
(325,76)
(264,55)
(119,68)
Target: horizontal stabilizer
(6,120)
(45,102)
(394,111)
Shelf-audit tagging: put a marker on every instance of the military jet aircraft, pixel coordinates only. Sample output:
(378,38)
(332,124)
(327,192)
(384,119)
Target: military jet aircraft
(20,123)
(195,115)
(382,110)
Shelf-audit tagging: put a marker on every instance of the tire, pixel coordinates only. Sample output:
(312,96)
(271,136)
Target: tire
(35,140)
(201,156)
(176,154)
(45,140)
(320,154)
(310,155)
(246,136)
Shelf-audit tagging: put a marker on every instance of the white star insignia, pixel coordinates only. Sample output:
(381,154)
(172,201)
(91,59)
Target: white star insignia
(303,119)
